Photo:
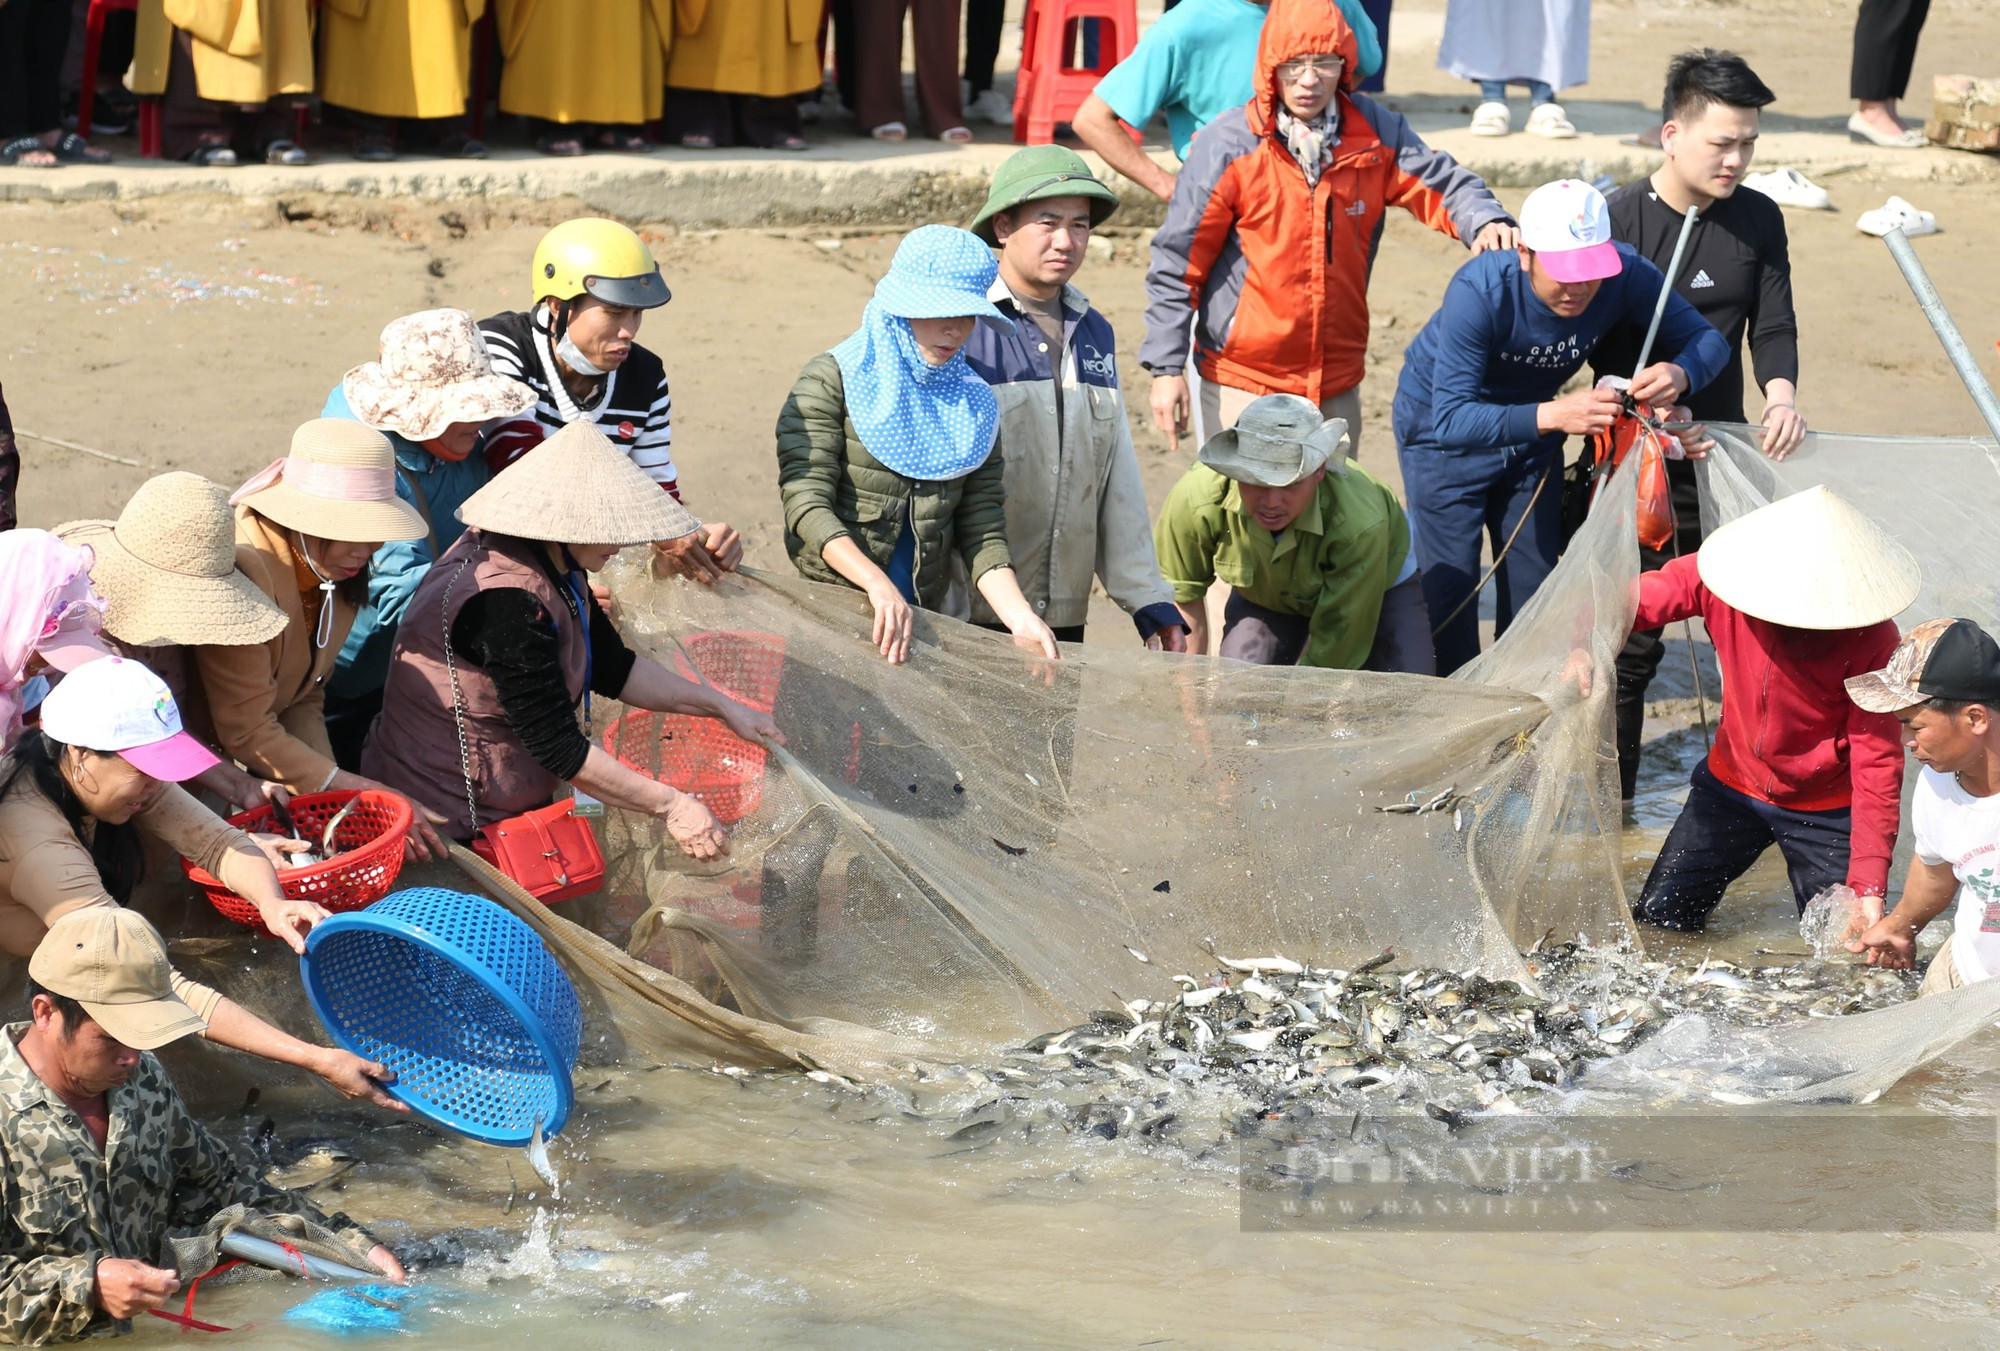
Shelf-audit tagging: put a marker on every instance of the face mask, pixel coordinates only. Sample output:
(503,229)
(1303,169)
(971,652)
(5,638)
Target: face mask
(573,357)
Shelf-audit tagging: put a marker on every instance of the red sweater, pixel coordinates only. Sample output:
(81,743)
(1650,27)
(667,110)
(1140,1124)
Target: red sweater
(1789,735)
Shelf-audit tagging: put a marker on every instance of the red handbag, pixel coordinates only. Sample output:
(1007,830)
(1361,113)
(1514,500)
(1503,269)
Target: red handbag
(552,852)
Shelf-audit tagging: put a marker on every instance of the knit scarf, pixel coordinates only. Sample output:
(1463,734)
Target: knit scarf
(927,422)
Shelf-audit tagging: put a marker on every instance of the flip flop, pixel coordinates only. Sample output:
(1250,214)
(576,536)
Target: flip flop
(891,131)
(71,148)
(560,146)
(1789,187)
(285,152)
(956,135)
(1492,118)
(1897,213)
(12,152)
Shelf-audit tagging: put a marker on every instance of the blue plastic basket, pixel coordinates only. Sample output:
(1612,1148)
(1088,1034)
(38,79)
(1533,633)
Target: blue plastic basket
(461,999)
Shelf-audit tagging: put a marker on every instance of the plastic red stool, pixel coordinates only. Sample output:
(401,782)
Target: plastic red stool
(86,101)
(1048,89)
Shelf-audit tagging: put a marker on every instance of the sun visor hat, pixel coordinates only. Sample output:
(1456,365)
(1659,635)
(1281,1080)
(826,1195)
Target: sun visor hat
(1568,226)
(119,706)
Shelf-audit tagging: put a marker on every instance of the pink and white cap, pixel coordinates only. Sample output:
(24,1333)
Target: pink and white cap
(119,706)
(1568,226)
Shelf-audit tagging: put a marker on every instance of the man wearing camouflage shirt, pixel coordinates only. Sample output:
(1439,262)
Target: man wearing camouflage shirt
(99,1157)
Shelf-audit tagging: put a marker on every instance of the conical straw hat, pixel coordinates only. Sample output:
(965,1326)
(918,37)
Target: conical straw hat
(577,488)
(167,569)
(1810,561)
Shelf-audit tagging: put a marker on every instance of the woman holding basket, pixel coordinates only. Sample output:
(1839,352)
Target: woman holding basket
(504,643)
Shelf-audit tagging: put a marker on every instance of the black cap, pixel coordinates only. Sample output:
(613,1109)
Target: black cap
(1939,659)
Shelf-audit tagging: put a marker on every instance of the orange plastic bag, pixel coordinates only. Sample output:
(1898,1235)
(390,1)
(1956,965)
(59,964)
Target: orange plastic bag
(1657,521)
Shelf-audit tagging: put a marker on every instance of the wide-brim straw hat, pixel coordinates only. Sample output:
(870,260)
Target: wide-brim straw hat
(166,569)
(434,371)
(339,483)
(1810,561)
(1278,440)
(578,488)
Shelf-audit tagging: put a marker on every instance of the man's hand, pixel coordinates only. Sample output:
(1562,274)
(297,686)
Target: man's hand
(1784,429)
(1169,638)
(126,1288)
(1692,442)
(1581,413)
(262,792)
(724,545)
(1888,942)
(689,557)
(353,1077)
(1660,384)
(1171,407)
(1496,234)
(1580,671)
(386,1263)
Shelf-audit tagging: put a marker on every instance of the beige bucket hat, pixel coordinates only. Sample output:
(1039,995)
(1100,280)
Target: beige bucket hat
(1279,439)
(338,483)
(1810,561)
(577,488)
(166,569)
(434,371)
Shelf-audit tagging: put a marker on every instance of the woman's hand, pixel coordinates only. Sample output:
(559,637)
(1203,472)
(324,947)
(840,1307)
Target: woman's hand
(892,622)
(748,723)
(424,842)
(386,1263)
(1030,632)
(693,826)
(291,920)
(279,849)
(261,793)
(352,1077)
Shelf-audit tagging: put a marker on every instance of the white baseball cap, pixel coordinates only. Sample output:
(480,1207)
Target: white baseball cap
(116,705)
(1568,226)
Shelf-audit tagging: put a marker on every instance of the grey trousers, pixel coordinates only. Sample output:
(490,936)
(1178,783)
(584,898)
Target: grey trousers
(1266,638)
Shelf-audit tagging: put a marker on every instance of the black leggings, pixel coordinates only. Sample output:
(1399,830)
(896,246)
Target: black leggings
(1885,47)
(983,22)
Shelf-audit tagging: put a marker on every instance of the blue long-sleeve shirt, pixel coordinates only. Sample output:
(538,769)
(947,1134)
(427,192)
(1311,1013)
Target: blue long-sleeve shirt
(397,567)
(1494,351)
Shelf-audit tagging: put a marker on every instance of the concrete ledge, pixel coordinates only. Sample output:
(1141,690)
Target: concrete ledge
(850,182)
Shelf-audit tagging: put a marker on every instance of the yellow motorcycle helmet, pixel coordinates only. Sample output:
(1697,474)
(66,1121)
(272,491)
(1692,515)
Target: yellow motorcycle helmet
(599,258)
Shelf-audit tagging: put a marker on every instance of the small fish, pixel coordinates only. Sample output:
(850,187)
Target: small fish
(538,1159)
(326,849)
(1007,848)
(1138,954)
(1381,959)
(1401,809)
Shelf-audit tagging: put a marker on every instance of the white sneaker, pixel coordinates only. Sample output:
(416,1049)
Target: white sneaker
(1492,119)
(990,105)
(1789,187)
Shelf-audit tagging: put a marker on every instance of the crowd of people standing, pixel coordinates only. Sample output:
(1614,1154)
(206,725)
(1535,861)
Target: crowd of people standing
(404,602)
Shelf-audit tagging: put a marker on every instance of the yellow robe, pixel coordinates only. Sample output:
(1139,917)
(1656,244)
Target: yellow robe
(765,47)
(584,60)
(245,51)
(398,58)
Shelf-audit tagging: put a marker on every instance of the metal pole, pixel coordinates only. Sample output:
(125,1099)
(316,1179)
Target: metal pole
(1947,331)
(1666,291)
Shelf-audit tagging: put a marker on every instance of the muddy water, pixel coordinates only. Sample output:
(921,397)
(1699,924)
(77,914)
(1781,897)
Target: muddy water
(703,1209)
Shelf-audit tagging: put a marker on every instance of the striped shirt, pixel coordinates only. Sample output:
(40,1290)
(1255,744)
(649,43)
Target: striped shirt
(634,409)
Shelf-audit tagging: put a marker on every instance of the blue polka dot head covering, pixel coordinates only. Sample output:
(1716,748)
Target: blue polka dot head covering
(923,421)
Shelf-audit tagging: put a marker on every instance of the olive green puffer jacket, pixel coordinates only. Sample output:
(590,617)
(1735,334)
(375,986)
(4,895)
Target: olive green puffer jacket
(832,486)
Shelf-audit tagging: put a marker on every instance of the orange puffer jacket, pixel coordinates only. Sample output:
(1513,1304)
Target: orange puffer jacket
(1273,272)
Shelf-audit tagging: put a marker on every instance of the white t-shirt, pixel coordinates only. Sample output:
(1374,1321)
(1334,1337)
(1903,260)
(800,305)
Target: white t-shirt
(1952,826)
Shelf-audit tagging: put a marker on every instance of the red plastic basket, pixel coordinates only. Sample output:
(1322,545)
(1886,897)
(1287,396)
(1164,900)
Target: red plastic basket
(371,840)
(700,756)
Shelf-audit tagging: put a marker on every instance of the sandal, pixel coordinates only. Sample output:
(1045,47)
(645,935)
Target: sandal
(623,142)
(791,143)
(285,152)
(374,150)
(956,135)
(212,155)
(1860,129)
(1897,214)
(71,148)
(891,131)
(1551,123)
(1491,118)
(28,152)
(562,146)
(697,140)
